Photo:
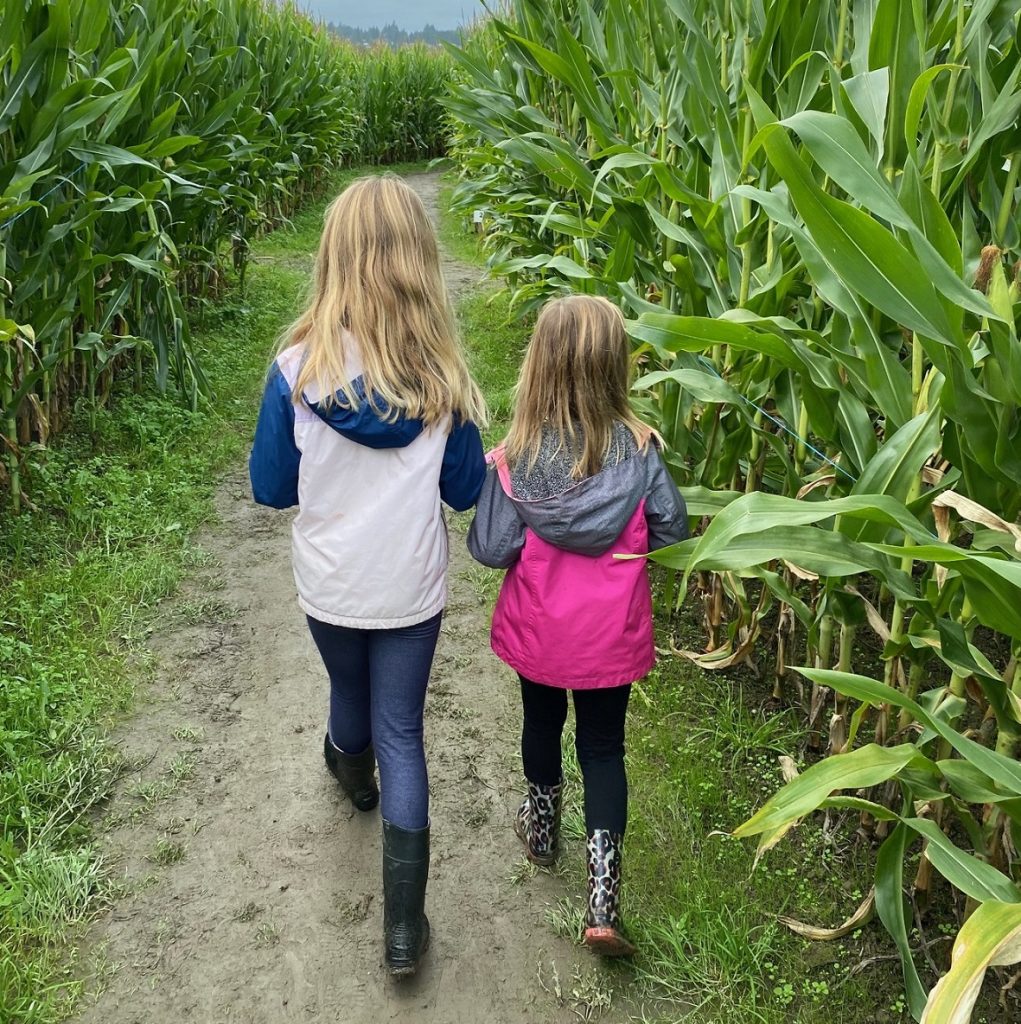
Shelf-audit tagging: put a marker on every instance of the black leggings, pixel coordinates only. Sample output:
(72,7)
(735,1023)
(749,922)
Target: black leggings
(599,741)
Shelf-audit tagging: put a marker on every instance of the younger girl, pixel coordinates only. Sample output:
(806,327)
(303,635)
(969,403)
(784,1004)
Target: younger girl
(367,422)
(577,482)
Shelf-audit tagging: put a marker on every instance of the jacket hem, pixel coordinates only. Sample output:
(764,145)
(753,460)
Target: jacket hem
(355,622)
(537,675)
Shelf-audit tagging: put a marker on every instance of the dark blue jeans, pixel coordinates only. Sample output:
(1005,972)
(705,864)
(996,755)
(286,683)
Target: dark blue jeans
(378,679)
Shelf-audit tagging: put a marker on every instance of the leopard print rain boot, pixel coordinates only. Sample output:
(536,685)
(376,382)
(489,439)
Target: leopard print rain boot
(537,823)
(603,933)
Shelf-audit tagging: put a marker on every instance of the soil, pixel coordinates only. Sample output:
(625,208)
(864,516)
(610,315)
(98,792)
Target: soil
(250,887)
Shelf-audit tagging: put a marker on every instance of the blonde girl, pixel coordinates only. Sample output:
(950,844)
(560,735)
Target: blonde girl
(368,423)
(578,481)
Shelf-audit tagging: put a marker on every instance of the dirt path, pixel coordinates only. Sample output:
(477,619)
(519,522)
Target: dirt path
(252,889)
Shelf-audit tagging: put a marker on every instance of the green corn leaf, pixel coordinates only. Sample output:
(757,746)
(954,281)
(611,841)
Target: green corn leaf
(705,501)
(975,787)
(897,465)
(865,254)
(890,906)
(999,116)
(1005,771)
(838,149)
(869,93)
(916,103)
(993,584)
(974,877)
(991,937)
(705,387)
(860,769)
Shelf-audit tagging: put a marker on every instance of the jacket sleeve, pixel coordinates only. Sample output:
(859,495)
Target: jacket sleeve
(497,533)
(665,511)
(464,467)
(273,464)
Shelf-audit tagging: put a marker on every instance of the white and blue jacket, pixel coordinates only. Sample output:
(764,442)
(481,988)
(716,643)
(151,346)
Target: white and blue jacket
(369,539)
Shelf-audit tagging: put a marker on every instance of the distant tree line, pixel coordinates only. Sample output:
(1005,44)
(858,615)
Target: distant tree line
(393,35)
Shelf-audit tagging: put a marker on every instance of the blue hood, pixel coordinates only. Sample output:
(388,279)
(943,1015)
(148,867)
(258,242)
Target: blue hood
(275,462)
(369,424)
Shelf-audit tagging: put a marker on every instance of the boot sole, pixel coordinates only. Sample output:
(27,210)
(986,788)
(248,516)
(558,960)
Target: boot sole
(608,942)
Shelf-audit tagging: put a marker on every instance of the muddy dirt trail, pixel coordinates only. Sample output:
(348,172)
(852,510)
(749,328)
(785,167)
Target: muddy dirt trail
(251,887)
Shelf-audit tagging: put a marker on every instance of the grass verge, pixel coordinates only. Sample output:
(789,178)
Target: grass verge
(82,579)
(494,344)
(701,760)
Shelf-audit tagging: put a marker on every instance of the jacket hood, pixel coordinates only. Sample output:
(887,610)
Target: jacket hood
(370,424)
(588,517)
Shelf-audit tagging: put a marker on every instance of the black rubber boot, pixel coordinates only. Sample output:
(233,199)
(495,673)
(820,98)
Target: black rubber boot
(354,772)
(537,823)
(405,873)
(603,934)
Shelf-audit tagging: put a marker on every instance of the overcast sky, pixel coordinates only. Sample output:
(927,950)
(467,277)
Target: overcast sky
(409,14)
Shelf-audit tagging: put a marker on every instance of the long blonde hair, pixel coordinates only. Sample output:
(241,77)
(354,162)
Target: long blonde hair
(574,380)
(377,276)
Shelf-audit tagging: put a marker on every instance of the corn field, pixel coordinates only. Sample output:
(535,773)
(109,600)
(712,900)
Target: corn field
(142,147)
(810,212)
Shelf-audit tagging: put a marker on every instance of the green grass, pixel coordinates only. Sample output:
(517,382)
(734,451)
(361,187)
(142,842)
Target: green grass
(83,579)
(495,348)
(166,852)
(700,761)
(494,343)
(456,231)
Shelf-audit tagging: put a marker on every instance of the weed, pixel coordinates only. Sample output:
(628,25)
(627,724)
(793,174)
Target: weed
(566,916)
(182,767)
(477,814)
(154,791)
(353,911)
(484,581)
(249,912)
(591,992)
(167,852)
(209,610)
(523,871)
(550,983)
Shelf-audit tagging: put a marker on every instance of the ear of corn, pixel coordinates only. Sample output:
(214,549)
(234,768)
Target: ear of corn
(810,211)
(141,147)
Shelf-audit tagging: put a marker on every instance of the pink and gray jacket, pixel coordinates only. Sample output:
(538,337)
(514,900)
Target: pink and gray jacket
(570,614)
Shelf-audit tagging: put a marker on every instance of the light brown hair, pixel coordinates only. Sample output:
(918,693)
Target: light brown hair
(377,276)
(574,380)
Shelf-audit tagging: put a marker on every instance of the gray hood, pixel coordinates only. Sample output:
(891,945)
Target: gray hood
(589,516)
(586,517)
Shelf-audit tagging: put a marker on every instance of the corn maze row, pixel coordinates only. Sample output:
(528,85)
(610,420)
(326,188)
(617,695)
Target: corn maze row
(810,211)
(142,146)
